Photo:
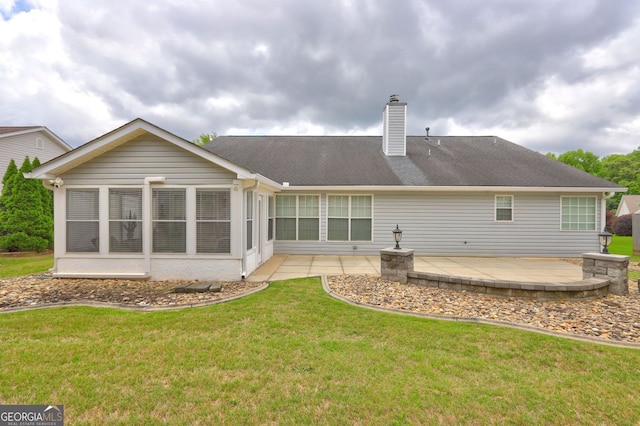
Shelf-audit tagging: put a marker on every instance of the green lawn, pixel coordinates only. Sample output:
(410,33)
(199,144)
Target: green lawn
(624,246)
(293,355)
(16,265)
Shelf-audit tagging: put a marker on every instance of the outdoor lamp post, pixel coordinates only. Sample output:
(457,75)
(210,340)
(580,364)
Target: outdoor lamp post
(397,236)
(605,240)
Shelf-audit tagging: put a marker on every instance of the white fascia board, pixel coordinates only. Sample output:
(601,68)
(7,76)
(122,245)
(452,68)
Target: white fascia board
(384,188)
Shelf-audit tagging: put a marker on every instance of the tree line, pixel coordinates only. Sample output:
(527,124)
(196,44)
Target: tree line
(623,169)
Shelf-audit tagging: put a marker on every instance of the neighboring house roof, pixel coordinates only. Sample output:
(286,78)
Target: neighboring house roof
(442,161)
(8,131)
(629,204)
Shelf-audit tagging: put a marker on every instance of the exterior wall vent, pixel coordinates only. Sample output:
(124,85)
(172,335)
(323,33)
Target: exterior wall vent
(394,127)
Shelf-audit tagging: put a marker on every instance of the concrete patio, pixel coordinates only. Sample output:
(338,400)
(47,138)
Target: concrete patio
(283,267)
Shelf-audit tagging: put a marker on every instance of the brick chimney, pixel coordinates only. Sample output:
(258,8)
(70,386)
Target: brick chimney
(394,127)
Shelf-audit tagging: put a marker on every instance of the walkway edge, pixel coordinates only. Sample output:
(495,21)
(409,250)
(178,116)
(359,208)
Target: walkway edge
(476,320)
(149,308)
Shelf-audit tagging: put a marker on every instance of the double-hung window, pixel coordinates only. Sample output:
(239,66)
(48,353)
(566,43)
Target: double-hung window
(349,218)
(298,217)
(578,213)
(83,222)
(169,220)
(504,208)
(125,220)
(213,221)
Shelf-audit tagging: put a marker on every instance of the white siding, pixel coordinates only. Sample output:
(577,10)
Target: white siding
(131,162)
(18,146)
(461,224)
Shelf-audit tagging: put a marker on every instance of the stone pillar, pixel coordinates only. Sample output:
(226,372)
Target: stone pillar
(395,264)
(612,267)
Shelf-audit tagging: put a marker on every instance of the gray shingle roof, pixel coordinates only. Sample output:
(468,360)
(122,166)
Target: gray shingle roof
(359,160)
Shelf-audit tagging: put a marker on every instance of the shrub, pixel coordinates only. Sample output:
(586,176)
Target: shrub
(20,241)
(623,225)
(609,221)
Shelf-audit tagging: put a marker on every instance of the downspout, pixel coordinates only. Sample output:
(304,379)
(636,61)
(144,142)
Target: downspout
(244,227)
(148,228)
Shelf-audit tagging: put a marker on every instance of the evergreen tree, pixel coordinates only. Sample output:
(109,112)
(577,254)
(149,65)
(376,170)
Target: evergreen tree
(46,197)
(25,225)
(7,182)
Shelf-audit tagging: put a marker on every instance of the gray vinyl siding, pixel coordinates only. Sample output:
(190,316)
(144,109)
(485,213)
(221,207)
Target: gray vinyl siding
(18,146)
(131,162)
(461,224)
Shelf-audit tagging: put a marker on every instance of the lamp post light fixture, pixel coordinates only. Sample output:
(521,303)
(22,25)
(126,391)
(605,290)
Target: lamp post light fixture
(605,240)
(397,236)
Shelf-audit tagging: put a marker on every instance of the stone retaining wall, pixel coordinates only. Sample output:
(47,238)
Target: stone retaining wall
(602,273)
(591,288)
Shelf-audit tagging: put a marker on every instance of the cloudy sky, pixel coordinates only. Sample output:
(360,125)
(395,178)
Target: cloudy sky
(550,75)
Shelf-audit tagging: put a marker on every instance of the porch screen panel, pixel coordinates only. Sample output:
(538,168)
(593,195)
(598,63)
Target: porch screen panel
(125,220)
(83,220)
(169,221)
(213,221)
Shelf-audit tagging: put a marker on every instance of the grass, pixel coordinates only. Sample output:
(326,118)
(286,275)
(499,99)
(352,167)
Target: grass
(293,355)
(16,265)
(624,246)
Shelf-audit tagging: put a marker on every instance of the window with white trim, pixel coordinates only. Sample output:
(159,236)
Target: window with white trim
(349,218)
(125,220)
(298,217)
(578,213)
(169,220)
(213,221)
(504,208)
(83,221)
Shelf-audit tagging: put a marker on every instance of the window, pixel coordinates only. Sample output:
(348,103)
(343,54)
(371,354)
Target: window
(125,220)
(169,221)
(349,218)
(83,220)
(298,217)
(504,208)
(578,214)
(249,216)
(272,210)
(213,221)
